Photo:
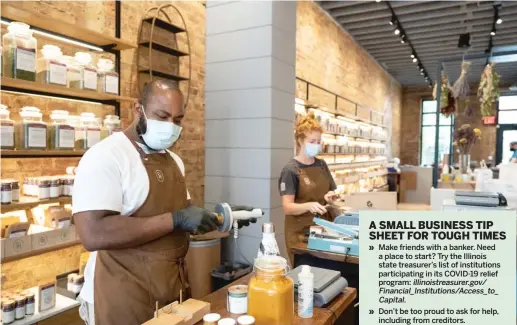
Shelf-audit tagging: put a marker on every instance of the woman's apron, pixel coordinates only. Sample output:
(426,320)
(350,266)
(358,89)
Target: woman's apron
(129,282)
(313,184)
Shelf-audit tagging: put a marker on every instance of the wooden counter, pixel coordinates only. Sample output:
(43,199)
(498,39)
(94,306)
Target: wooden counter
(322,316)
(301,248)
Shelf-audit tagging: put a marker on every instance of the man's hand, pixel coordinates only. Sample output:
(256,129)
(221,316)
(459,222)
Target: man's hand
(316,208)
(330,197)
(195,220)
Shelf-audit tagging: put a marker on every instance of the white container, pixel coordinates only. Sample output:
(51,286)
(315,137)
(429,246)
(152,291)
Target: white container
(108,78)
(88,71)
(237,301)
(246,320)
(226,321)
(268,246)
(305,292)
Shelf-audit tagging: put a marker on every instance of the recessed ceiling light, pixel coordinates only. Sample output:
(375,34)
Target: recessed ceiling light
(397,31)
(499,21)
(415,59)
(493,31)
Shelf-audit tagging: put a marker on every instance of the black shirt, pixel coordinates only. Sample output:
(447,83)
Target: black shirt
(288,181)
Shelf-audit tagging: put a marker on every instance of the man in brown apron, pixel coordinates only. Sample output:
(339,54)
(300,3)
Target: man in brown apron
(140,257)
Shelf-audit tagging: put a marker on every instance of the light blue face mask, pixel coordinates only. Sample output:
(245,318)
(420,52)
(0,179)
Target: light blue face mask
(160,135)
(312,149)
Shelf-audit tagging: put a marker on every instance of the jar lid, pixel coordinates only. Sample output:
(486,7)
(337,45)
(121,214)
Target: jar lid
(87,115)
(59,114)
(226,321)
(19,28)
(67,59)
(51,51)
(30,111)
(7,302)
(20,298)
(211,318)
(105,64)
(114,118)
(271,263)
(246,320)
(83,58)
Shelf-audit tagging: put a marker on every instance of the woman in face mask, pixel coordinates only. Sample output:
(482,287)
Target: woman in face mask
(306,184)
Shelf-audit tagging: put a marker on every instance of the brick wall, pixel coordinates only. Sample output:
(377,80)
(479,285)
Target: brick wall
(411,110)
(328,57)
(100,16)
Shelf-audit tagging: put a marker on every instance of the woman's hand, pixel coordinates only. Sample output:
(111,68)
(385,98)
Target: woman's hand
(331,196)
(316,208)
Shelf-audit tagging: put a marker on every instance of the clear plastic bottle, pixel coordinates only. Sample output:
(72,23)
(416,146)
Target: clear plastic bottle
(112,123)
(305,292)
(89,71)
(90,124)
(74,77)
(61,135)
(31,131)
(7,129)
(19,48)
(108,78)
(51,69)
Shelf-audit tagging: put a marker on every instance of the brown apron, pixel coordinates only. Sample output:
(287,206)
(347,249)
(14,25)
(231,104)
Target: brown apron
(313,184)
(129,282)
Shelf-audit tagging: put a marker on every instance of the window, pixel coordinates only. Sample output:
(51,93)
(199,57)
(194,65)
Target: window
(428,133)
(507,127)
(507,112)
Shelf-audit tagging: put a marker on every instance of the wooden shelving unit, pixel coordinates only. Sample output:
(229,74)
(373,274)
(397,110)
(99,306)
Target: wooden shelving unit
(74,31)
(164,49)
(29,202)
(61,90)
(165,25)
(39,153)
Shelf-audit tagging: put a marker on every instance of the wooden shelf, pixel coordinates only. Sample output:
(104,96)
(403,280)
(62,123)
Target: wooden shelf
(40,153)
(165,49)
(39,252)
(352,137)
(73,31)
(50,90)
(29,202)
(165,25)
(359,164)
(163,75)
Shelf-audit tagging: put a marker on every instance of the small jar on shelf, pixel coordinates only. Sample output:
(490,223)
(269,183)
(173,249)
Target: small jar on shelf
(103,128)
(50,66)
(79,131)
(112,123)
(31,131)
(7,129)
(74,75)
(91,129)
(108,79)
(19,48)
(61,135)
(88,70)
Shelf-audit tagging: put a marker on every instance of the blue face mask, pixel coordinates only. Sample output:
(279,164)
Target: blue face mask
(312,149)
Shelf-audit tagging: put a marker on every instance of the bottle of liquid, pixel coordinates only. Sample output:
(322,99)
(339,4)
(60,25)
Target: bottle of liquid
(305,292)
(268,245)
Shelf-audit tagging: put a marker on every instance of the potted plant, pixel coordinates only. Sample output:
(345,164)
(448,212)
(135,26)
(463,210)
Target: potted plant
(464,139)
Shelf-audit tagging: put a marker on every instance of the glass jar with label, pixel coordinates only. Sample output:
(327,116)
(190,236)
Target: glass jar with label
(112,123)
(108,78)
(104,129)
(19,48)
(92,130)
(5,192)
(30,303)
(15,190)
(74,77)
(89,71)
(31,132)
(55,187)
(44,188)
(8,311)
(51,68)
(7,129)
(79,132)
(20,307)
(61,135)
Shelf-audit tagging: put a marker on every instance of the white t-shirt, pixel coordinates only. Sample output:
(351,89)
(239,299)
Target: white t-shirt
(111,176)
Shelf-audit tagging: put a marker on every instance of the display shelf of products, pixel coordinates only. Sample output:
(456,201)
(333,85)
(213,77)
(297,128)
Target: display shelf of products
(164,49)
(74,31)
(50,89)
(352,137)
(40,153)
(351,165)
(29,202)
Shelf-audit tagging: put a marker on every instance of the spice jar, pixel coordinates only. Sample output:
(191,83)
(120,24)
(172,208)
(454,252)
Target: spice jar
(74,78)
(5,192)
(211,319)
(55,187)
(61,135)
(8,311)
(30,303)
(112,124)
(31,132)
(78,284)
(104,129)
(50,67)
(68,185)
(20,307)
(246,320)
(271,292)
(19,48)
(43,188)
(88,71)
(108,78)
(15,190)
(91,127)
(6,129)
(79,131)
(226,321)
(70,283)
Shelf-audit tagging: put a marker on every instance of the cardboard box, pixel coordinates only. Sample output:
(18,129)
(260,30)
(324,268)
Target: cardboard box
(16,246)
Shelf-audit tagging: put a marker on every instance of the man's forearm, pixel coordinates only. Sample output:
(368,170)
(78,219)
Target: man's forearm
(119,232)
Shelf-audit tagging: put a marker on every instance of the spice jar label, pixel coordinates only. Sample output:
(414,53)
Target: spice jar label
(37,136)
(26,59)
(111,84)
(93,137)
(90,79)
(7,135)
(57,73)
(66,137)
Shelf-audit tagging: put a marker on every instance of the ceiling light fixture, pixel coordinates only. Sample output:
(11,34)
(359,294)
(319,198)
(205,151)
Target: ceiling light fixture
(493,31)
(393,20)
(413,55)
(499,21)
(415,59)
(397,31)
(497,18)
(403,38)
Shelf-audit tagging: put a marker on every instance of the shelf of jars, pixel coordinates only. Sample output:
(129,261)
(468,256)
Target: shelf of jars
(28,202)
(73,31)
(40,153)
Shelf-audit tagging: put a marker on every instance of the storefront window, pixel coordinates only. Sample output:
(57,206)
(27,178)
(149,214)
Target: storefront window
(428,132)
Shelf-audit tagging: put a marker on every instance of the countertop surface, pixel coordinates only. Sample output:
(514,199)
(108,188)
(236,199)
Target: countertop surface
(301,248)
(322,316)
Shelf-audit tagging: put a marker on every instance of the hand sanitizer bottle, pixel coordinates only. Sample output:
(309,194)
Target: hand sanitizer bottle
(268,246)
(305,292)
